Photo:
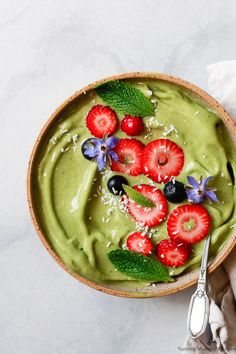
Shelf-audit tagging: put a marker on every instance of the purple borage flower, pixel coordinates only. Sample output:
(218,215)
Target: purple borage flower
(197,191)
(101,150)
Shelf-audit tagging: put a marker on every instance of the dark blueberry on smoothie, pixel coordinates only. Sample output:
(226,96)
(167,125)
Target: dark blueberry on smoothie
(87,144)
(114,184)
(175,192)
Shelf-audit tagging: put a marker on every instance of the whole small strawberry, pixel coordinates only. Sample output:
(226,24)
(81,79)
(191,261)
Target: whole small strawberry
(132,125)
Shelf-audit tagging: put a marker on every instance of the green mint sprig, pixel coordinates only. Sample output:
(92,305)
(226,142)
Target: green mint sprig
(140,267)
(125,98)
(137,197)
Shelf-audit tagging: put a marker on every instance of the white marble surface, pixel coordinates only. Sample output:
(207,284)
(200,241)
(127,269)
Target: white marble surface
(48,50)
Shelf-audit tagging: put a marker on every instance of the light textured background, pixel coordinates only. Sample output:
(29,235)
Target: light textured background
(49,49)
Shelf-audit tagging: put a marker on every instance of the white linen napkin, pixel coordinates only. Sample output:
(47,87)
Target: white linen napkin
(220,336)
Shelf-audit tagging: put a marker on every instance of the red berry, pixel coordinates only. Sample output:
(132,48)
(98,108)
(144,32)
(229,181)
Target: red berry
(149,216)
(189,223)
(101,120)
(129,153)
(173,254)
(162,159)
(139,243)
(132,125)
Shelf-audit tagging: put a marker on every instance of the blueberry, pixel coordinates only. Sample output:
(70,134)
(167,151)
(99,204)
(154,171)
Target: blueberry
(114,184)
(175,192)
(88,144)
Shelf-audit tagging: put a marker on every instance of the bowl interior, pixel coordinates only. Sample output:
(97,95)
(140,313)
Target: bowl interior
(182,281)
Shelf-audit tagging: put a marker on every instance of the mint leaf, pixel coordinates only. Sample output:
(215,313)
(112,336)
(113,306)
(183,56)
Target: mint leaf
(137,197)
(125,98)
(137,266)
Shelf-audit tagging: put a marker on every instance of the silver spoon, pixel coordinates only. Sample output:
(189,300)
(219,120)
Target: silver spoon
(198,313)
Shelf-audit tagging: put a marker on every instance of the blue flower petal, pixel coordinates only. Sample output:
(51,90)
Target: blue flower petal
(205,182)
(211,195)
(111,142)
(100,153)
(199,191)
(98,142)
(113,155)
(101,161)
(193,182)
(92,152)
(193,196)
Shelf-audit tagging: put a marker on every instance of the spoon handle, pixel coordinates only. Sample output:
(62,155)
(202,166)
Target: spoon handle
(198,313)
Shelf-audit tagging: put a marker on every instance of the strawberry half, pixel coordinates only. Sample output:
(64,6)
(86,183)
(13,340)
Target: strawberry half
(129,152)
(173,254)
(139,243)
(162,159)
(189,223)
(101,120)
(149,216)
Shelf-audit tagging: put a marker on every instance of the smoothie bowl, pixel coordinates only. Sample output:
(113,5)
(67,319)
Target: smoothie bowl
(128,177)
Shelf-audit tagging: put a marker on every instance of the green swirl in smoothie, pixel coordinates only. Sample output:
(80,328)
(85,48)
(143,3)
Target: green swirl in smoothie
(83,221)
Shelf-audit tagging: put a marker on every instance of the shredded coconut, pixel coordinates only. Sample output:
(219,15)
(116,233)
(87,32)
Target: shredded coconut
(170,129)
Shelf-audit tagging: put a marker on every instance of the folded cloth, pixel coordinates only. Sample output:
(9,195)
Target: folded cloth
(220,336)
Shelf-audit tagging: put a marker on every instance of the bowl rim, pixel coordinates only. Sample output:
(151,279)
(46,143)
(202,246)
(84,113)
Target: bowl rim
(197,92)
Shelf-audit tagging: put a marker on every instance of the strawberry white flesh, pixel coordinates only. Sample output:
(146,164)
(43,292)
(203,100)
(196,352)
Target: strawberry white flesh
(162,159)
(149,216)
(189,223)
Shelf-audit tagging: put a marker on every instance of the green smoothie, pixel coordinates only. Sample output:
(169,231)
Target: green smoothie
(83,221)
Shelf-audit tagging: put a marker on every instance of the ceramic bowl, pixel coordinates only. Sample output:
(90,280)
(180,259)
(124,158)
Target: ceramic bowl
(182,281)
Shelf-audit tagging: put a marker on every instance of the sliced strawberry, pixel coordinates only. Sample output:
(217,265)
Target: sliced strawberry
(129,153)
(101,120)
(149,216)
(139,243)
(162,159)
(173,254)
(189,223)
